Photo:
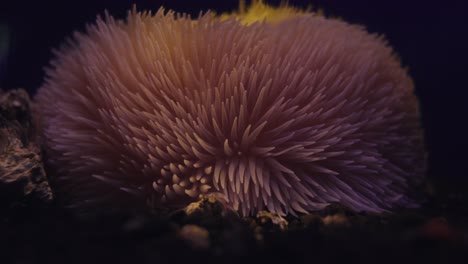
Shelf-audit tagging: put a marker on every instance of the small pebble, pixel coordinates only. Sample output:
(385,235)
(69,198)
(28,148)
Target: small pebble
(198,237)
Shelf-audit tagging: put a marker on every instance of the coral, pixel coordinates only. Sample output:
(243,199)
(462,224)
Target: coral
(287,116)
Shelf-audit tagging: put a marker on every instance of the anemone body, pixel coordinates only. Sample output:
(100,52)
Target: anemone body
(286,117)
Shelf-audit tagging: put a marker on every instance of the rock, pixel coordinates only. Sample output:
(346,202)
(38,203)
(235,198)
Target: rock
(266,218)
(22,177)
(15,107)
(208,205)
(438,228)
(336,220)
(310,220)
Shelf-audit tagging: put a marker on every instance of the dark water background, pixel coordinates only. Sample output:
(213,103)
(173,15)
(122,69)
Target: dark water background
(429,36)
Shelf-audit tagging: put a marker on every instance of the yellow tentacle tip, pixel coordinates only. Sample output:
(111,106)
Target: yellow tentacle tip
(258,11)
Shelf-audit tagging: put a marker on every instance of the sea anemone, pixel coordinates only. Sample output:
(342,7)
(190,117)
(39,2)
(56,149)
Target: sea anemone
(286,117)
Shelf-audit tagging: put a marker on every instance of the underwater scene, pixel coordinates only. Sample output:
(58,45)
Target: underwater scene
(151,131)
